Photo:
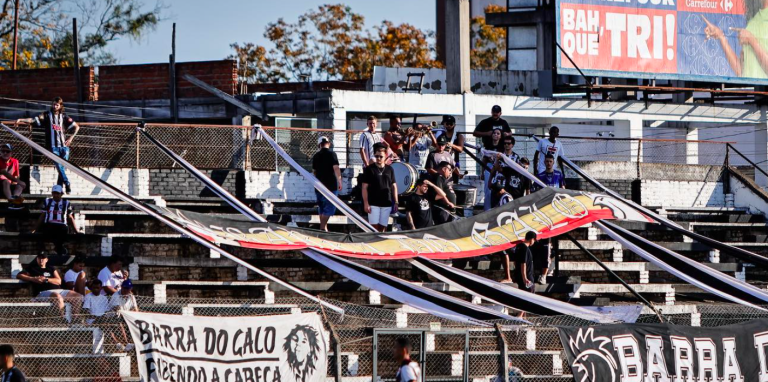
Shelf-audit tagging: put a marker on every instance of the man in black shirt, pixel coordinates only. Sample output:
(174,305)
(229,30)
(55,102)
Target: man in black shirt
(523,259)
(379,189)
(418,206)
(442,205)
(325,166)
(517,184)
(46,284)
(10,372)
(485,128)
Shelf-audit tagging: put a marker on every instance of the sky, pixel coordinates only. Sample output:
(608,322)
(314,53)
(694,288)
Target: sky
(206,28)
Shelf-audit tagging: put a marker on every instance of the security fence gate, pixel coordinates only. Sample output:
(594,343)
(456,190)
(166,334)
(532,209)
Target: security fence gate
(442,355)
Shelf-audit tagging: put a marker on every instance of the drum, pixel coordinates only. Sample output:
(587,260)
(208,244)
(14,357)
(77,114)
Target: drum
(465,195)
(405,177)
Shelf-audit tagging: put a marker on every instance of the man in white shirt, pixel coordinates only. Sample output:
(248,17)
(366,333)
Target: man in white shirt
(96,302)
(112,276)
(368,138)
(409,370)
(549,146)
(124,299)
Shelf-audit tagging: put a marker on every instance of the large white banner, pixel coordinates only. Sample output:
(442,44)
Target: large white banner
(290,348)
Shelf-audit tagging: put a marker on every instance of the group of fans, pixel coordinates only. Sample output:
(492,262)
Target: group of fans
(434,150)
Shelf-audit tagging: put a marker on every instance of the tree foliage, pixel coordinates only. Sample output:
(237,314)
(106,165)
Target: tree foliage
(45,30)
(489,44)
(331,42)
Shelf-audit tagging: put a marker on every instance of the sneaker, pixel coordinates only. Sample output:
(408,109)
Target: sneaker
(16,200)
(542,280)
(68,189)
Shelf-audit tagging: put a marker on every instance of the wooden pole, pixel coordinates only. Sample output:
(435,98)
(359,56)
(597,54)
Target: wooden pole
(15,33)
(78,80)
(172,68)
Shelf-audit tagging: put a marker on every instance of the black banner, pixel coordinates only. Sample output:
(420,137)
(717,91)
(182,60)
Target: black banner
(667,353)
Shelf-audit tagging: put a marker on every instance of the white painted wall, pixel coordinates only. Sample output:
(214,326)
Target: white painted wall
(667,193)
(135,182)
(744,197)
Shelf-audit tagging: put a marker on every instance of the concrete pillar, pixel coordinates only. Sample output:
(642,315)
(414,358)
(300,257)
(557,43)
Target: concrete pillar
(466,123)
(457,46)
(635,132)
(336,119)
(761,153)
(692,148)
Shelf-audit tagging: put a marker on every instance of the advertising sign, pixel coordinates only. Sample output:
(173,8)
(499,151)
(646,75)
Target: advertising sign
(703,40)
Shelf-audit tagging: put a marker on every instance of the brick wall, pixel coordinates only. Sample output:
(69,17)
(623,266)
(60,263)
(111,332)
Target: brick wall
(180,183)
(44,84)
(682,193)
(133,181)
(150,81)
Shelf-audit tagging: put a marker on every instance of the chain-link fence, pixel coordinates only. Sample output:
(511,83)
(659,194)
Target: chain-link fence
(70,345)
(227,147)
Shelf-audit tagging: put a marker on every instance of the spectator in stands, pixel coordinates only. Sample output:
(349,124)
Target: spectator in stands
(418,207)
(46,284)
(379,189)
(53,222)
(438,156)
(500,196)
(550,176)
(542,257)
(494,145)
(457,145)
(409,370)
(10,183)
(368,139)
(523,259)
(95,303)
(325,166)
(10,372)
(442,206)
(75,278)
(395,137)
(486,127)
(56,125)
(518,185)
(124,298)
(419,142)
(113,275)
(549,146)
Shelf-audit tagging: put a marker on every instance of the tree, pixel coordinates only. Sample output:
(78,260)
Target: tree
(45,29)
(331,42)
(254,65)
(489,44)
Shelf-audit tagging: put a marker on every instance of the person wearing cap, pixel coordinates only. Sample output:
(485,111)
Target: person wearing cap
(379,189)
(124,298)
(325,166)
(484,129)
(10,183)
(441,154)
(550,146)
(500,195)
(11,373)
(56,125)
(441,206)
(57,213)
(457,145)
(46,284)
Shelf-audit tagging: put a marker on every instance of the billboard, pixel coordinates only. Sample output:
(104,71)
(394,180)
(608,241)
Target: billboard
(702,40)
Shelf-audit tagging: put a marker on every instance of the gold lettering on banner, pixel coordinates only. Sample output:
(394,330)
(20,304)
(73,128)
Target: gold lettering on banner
(441,245)
(401,240)
(484,237)
(270,236)
(509,221)
(569,206)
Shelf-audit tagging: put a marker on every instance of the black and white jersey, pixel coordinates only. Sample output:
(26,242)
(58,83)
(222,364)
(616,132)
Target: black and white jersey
(55,126)
(56,213)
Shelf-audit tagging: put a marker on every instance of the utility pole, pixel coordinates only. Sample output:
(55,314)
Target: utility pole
(15,32)
(78,80)
(172,78)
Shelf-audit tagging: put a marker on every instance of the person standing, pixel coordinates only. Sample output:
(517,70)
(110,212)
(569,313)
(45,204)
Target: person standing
(56,125)
(325,166)
(518,185)
(11,185)
(438,156)
(457,145)
(442,205)
(10,372)
(394,137)
(550,176)
(53,222)
(368,139)
(418,207)
(485,128)
(409,370)
(379,189)
(419,143)
(524,263)
(549,146)
(495,145)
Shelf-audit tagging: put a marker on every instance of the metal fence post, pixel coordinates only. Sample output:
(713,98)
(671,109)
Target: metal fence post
(138,149)
(503,353)
(375,367)
(465,374)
